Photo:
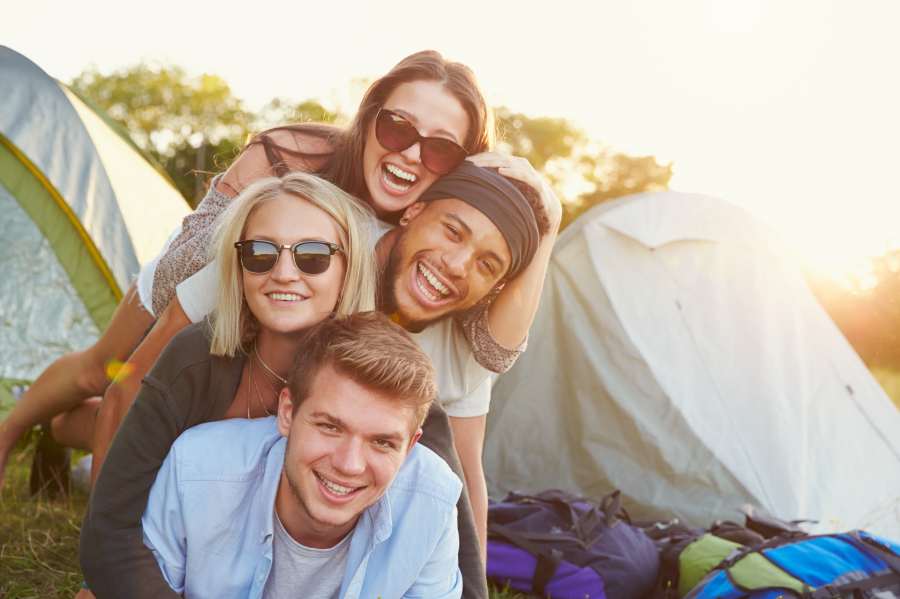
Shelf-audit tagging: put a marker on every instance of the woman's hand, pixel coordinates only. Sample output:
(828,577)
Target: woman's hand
(516,167)
(511,313)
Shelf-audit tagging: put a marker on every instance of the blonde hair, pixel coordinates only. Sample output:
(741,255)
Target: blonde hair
(234,325)
(374,352)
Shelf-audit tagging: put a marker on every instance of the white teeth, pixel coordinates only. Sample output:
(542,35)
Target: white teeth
(433,280)
(286,297)
(400,173)
(334,488)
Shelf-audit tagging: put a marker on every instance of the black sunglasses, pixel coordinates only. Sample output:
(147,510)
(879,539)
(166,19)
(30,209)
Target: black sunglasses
(311,257)
(396,134)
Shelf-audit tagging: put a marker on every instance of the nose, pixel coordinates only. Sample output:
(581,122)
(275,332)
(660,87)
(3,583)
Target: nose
(457,262)
(413,154)
(285,270)
(349,458)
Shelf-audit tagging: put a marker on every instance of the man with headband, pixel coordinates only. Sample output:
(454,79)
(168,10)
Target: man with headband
(470,233)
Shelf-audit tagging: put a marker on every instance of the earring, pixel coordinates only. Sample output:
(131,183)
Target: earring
(404,220)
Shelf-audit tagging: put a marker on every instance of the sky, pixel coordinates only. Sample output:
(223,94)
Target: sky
(789,108)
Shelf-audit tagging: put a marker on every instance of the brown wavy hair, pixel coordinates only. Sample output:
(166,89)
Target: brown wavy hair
(343,164)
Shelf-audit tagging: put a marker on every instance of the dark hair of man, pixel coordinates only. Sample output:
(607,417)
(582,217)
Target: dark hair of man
(343,165)
(371,350)
(533,197)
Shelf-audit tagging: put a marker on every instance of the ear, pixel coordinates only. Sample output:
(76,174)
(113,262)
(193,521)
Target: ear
(285,412)
(498,284)
(412,212)
(413,441)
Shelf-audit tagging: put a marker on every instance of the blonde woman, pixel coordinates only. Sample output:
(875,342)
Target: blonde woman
(292,252)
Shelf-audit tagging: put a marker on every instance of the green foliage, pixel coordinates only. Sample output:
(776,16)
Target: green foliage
(581,171)
(186,122)
(281,110)
(865,305)
(195,124)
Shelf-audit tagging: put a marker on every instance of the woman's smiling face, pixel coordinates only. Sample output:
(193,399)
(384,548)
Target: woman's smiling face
(395,180)
(285,300)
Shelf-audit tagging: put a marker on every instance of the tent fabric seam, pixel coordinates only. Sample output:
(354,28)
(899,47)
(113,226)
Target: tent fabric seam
(73,219)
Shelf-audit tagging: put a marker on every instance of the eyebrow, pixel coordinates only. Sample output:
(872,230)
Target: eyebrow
(341,424)
(491,253)
(414,120)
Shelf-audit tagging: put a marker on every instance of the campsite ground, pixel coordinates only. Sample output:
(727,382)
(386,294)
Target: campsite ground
(39,538)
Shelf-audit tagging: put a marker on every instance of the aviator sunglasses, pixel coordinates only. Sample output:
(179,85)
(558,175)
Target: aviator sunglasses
(259,256)
(396,134)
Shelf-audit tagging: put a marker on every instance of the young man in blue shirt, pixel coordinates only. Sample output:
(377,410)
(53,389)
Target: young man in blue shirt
(315,501)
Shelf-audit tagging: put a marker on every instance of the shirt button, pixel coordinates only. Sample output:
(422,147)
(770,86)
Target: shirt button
(260,577)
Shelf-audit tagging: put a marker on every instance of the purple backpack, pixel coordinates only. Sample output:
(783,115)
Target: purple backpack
(565,546)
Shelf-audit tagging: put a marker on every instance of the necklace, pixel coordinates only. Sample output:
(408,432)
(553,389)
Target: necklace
(256,352)
(268,411)
(259,394)
(266,379)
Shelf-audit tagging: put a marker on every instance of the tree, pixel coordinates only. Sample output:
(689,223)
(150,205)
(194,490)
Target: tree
(282,110)
(581,171)
(188,123)
(191,125)
(865,305)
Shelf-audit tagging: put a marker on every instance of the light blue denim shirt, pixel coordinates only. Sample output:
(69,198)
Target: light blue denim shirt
(209,519)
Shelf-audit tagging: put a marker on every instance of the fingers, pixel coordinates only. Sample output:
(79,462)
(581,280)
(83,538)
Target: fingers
(514,167)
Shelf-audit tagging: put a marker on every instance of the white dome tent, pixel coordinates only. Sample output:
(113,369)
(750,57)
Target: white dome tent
(82,210)
(678,355)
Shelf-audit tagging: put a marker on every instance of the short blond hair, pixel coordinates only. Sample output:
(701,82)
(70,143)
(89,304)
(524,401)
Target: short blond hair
(373,351)
(234,325)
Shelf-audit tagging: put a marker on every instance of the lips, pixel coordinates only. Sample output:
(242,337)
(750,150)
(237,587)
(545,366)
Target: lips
(285,297)
(428,287)
(396,179)
(334,492)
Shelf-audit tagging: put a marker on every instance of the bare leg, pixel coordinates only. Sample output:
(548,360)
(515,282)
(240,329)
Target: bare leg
(77,376)
(118,396)
(75,427)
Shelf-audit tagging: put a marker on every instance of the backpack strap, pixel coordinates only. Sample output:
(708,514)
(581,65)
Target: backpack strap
(548,560)
(847,590)
(885,553)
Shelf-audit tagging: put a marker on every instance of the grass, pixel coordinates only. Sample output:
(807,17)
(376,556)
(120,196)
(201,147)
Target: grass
(39,538)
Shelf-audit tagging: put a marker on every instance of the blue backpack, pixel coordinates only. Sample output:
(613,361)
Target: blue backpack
(565,546)
(854,565)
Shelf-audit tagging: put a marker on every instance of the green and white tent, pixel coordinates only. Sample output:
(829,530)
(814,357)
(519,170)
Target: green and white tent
(81,209)
(678,355)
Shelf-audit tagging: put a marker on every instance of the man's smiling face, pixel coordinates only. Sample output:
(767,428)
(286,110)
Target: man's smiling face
(448,256)
(345,445)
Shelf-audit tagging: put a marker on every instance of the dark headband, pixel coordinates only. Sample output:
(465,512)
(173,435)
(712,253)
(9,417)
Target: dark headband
(494,196)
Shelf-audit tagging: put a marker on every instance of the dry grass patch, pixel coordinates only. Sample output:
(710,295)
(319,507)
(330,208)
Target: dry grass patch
(38,538)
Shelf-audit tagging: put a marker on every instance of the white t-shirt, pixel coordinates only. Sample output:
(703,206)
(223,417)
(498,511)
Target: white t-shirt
(298,570)
(464,386)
